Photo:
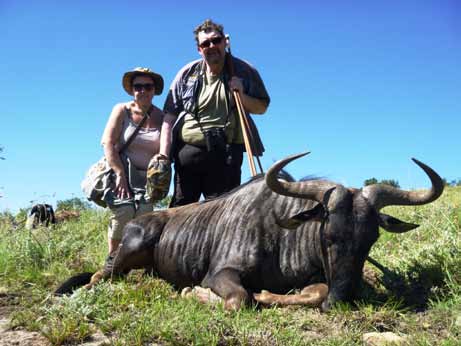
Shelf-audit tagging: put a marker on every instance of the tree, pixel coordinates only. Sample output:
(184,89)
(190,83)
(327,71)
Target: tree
(1,151)
(370,181)
(390,182)
(21,215)
(455,182)
(6,219)
(73,204)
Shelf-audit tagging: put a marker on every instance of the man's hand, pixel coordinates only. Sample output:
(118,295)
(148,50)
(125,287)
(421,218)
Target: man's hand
(236,84)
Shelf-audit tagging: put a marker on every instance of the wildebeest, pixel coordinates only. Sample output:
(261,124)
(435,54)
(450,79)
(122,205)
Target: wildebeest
(40,214)
(267,234)
(43,214)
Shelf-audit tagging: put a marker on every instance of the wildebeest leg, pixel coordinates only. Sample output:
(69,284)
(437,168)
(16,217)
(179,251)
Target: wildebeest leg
(227,285)
(203,295)
(312,296)
(95,278)
(107,271)
(132,253)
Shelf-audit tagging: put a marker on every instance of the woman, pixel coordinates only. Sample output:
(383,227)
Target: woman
(128,197)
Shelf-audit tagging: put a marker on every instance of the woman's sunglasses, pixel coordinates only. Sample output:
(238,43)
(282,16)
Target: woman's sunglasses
(214,40)
(147,87)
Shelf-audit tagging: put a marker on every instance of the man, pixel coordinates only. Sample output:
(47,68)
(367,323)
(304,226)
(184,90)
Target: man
(207,147)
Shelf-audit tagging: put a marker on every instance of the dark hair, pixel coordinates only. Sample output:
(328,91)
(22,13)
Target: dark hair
(207,26)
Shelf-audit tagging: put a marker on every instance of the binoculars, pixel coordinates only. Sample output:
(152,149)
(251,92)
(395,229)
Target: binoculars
(215,139)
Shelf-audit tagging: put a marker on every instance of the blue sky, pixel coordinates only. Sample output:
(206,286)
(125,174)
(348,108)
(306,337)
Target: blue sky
(363,85)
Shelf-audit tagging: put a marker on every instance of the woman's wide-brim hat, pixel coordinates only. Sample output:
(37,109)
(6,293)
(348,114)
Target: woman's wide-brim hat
(142,71)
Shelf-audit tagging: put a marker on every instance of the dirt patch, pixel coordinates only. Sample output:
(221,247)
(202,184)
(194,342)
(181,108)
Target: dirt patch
(17,337)
(21,337)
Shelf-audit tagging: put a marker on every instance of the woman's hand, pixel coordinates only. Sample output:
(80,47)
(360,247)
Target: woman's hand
(159,157)
(122,189)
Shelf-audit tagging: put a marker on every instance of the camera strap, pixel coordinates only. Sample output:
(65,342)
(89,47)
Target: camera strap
(136,130)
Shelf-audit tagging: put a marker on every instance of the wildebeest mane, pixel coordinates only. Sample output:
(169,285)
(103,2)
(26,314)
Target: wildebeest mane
(226,194)
(283,174)
(311,178)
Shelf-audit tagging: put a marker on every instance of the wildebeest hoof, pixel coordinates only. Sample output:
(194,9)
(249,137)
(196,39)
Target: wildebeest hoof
(87,286)
(94,280)
(233,304)
(203,295)
(325,307)
(312,296)
(315,294)
(186,292)
(265,297)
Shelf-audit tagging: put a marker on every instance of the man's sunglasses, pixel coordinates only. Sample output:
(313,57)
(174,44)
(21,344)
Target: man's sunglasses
(214,40)
(147,87)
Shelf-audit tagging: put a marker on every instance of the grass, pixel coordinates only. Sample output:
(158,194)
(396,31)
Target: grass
(420,295)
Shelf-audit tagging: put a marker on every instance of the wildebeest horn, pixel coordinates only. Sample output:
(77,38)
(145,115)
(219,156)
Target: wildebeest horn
(380,195)
(313,190)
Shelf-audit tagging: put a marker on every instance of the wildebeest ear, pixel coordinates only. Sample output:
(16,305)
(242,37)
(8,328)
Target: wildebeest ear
(315,214)
(394,225)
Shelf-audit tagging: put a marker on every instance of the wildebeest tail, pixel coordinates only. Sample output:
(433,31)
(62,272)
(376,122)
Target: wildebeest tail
(73,283)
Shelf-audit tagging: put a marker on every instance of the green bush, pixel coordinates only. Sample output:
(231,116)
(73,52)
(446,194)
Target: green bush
(73,204)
